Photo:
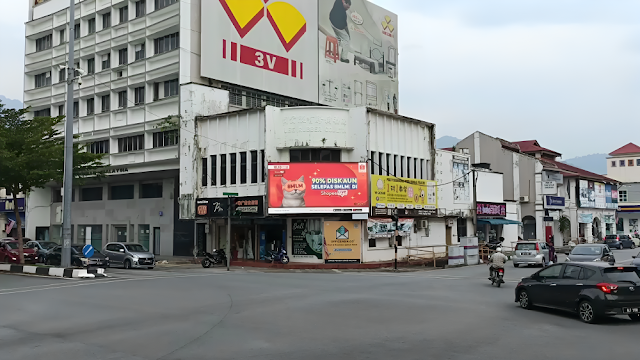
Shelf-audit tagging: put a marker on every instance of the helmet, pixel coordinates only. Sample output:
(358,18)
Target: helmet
(499,250)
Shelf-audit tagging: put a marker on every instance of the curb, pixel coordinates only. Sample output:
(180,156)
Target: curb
(52,271)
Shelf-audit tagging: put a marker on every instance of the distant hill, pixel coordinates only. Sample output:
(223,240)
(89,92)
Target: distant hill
(596,163)
(10,103)
(446,142)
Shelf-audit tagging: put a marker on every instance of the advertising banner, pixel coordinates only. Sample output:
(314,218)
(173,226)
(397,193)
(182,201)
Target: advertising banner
(306,238)
(607,195)
(342,241)
(586,194)
(585,218)
(600,197)
(247,206)
(390,192)
(262,44)
(385,228)
(609,219)
(304,188)
(489,210)
(554,202)
(8,205)
(461,188)
(358,61)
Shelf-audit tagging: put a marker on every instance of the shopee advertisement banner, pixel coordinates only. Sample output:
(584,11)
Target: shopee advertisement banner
(305,188)
(342,241)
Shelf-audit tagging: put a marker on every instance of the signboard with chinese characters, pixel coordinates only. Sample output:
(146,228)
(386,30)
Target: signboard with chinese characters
(342,240)
(390,192)
(491,210)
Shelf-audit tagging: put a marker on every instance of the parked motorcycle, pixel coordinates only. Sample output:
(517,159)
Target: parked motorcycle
(280,256)
(498,277)
(213,258)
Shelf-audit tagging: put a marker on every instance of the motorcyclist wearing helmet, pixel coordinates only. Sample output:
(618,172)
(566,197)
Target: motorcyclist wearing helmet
(497,261)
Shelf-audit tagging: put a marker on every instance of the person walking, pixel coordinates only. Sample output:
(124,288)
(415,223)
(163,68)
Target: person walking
(552,250)
(338,18)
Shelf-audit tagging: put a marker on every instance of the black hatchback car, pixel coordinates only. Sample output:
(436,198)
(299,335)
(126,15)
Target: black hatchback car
(592,290)
(619,241)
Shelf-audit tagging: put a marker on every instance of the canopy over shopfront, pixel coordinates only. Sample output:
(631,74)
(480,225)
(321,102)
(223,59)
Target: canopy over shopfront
(498,222)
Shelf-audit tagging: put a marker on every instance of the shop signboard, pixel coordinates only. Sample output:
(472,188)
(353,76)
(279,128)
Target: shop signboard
(316,188)
(247,206)
(607,196)
(8,205)
(342,242)
(552,176)
(554,202)
(585,218)
(390,192)
(609,219)
(600,196)
(385,228)
(549,188)
(491,210)
(306,238)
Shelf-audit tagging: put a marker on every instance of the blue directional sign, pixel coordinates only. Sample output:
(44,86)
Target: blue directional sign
(87,251)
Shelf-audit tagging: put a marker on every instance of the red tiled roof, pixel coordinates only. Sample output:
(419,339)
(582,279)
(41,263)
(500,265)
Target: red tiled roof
(572,171)
(630,148)
(448,149)
(529,146)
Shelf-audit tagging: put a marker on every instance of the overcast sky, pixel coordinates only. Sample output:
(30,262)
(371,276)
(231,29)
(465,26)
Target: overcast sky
(564,72)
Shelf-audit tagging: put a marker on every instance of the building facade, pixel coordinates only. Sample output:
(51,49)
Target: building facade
(623,165)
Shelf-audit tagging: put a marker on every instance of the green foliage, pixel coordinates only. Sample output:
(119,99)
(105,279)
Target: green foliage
(565,224)
(169,123)
(32,154)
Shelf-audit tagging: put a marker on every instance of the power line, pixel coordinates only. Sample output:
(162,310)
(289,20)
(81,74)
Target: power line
(404,181)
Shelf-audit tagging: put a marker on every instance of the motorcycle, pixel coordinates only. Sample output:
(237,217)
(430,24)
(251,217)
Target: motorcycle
(498,277)
(280,256)
(213,258)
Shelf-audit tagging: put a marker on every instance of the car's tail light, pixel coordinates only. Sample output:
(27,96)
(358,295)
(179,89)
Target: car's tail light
(537,247)
(607,288)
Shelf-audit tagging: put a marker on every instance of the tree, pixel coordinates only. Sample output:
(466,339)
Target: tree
(32,155)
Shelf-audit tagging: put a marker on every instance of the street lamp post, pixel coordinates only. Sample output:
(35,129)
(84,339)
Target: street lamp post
(229,196)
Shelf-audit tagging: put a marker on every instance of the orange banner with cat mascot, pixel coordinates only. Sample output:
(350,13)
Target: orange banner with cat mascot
(304,188)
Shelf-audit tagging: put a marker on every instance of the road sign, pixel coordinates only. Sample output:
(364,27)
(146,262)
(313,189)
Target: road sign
(87,251)
(230,194)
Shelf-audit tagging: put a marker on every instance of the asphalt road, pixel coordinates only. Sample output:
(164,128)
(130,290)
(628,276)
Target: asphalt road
(213,314)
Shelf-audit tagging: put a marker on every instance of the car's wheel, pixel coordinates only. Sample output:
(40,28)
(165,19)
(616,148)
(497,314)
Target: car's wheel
(634,317)
(524,300)
(633,245)
(515,265)
(587,313)
(127,264)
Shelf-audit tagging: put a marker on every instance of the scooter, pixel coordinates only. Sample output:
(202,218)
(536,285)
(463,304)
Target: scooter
(498,277)
(213,258)
(280,256)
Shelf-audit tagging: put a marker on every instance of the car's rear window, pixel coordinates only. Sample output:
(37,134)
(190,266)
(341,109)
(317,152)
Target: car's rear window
(622,274)
(586,250)
(525,246)
(611,237)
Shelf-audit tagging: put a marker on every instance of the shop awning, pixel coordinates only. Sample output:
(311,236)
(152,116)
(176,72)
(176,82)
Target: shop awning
(498,222)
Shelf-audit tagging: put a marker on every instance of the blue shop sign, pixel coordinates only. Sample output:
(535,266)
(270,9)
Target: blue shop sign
(8,205)
(554,202)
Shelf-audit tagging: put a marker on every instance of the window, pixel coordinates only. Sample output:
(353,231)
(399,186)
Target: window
(106,20)
(613,163)
(91,66)
(76,31)
(124,14)
(380,158)
(122,99)
(141,8)
(171,88)
(214,169)
(43,43)
(156,91)
(164,3)
(637,162)
(151,191)
(91,26)
(552,272)
(56,195)
(415,168)
(263,166)
(106,103)
(422,169)
(571,272)
(76,109)
(91,194)
(409,168)
(42,113)
(233,170)
(586,274)
(372,242)
(139,95)
(314,155)
(223,170)
(60,110)
(166,43)
(621,163)
(90,106)
(99,147)
(121,192)
(243,167)
(205,172)
(131,143)
(235,96)
(123,57)
(254,167)
(106,61)
(139,49)
(401,166)
(622,194)
(61,36)
(43,79)
(395,165)
(372,165)
(630,162)
(165,138)
(62,75)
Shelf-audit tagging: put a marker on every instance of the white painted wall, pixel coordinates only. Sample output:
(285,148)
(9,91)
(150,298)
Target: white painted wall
(489,187)
(624,173)
(38,210)
(445,177)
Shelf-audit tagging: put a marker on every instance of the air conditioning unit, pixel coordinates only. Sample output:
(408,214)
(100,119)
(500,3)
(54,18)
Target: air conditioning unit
(524,199)
(423,224)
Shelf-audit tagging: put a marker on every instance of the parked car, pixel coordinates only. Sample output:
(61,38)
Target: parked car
(9,253)
(54,257)
(531,253)
(592,290)
(129,255)
(41,247)
(591,252)
(619,241)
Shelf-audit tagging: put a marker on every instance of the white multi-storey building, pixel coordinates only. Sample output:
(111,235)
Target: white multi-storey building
(142,60)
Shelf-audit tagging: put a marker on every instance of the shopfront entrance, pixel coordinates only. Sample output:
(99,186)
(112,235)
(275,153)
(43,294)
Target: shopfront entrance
(272,236)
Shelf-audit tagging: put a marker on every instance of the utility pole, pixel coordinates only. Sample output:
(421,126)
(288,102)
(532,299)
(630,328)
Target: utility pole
(67,183)
(475,202)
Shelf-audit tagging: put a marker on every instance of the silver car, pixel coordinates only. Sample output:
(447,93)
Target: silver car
(129,255)
(591,252)
(531,253)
